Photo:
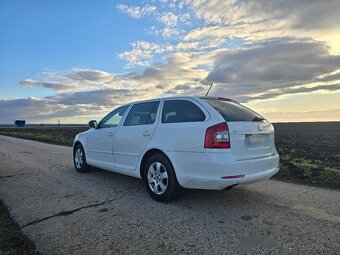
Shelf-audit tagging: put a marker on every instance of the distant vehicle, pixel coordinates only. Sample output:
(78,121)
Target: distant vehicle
(19,123)
(190,142)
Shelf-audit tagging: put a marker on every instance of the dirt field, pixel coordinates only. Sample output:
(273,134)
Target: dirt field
(55,135)
(310,152)
(317,142)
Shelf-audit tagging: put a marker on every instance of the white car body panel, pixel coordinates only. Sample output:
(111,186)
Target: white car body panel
(99,145)
(252,154)
(130,143)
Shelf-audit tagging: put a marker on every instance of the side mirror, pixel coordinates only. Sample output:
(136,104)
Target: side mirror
(93,124)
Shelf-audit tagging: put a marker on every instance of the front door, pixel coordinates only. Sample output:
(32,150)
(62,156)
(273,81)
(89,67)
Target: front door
(133,136)
(100,141)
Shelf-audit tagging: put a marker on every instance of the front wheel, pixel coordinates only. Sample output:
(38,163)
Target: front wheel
(160,179)
(79,159)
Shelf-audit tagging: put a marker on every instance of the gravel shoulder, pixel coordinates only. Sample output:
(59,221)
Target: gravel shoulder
(101,212)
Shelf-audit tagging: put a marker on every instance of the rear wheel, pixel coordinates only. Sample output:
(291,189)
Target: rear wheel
(79,159)
(160,179)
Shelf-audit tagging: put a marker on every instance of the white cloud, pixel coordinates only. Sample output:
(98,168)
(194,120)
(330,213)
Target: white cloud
(168,32)
(88,75)
(263,20)
(29,83)
(274,68)
(199,45)
(142,53)
(77,78)
(169,19)
(216,11)
(170,25)
(136,11)
(178,68)
(299,14)
(185,17)
(51,85)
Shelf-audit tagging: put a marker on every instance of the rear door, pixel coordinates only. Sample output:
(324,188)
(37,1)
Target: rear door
(133,136)
(182,126)
(251,136)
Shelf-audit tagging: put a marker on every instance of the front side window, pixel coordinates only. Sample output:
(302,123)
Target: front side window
(113,119)
(142,114)
(175,111)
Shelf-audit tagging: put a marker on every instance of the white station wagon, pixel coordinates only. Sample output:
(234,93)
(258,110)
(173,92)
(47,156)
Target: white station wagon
(181,142)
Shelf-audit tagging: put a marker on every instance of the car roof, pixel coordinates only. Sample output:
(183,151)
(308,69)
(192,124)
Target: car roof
(177,97)
(162,98)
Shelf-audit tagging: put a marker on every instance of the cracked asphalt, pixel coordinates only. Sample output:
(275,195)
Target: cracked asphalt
(65,212)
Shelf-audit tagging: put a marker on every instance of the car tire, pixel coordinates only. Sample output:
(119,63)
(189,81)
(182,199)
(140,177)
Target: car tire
(160,179)
(79,159)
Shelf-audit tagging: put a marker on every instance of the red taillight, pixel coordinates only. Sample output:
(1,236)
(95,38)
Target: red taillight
(217,136)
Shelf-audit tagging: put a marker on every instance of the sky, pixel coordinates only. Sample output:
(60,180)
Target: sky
(77,60)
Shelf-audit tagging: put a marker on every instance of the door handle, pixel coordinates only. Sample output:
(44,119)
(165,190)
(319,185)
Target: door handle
(110,134)
(146,133)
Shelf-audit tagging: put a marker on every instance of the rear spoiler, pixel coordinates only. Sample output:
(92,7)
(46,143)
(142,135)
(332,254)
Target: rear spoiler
(220,98)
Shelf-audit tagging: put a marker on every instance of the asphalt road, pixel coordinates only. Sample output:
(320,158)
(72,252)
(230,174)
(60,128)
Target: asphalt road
(65,212)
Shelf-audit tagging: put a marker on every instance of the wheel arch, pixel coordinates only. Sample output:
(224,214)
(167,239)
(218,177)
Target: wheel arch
(150,152)
(75,145)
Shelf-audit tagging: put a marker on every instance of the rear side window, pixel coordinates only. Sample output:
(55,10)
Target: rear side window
(142,114)
(175,111)
(232,111)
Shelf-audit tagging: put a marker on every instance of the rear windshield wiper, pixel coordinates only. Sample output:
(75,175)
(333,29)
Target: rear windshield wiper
(257,119)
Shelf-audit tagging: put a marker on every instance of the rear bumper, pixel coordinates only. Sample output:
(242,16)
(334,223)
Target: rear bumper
(219,184)
(205,171)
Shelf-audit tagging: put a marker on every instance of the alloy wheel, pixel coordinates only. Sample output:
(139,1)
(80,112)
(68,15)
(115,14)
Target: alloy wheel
(157,178)
(78,158)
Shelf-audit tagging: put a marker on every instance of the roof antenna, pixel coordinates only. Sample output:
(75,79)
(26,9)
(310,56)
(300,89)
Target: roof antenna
(209,89)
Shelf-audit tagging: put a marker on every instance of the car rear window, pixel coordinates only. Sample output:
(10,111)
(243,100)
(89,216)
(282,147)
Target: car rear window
(176,111)
(232,111)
